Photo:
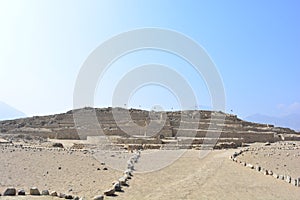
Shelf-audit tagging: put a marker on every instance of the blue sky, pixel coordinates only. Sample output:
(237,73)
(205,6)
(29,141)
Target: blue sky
(255,46)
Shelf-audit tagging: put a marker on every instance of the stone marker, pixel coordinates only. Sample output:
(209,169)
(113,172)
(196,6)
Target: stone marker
(45,192)
(250,166)
(288,179)
(258,168)
(53,193)
(68,196)
(34,191)
(61,195)
(110,192)
(128,172)
(294,182)
(281,177)
(117,186)
(122,181)
(99,197)
(10,192)
(270,172)
(21,192)
(275,176)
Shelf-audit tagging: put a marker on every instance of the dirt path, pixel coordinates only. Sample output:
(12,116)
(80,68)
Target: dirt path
(214,177)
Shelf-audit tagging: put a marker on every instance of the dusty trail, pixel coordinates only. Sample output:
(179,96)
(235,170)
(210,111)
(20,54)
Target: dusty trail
(214,177)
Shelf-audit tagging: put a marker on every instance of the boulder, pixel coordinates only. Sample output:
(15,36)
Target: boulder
(110,192)
(98,197)
(10,192)
(53,193)
(21,192)
(45,192)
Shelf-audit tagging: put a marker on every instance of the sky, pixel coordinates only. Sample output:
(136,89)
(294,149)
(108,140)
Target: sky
(254,45)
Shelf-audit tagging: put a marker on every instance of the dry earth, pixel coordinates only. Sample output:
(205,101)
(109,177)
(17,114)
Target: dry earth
(212,177)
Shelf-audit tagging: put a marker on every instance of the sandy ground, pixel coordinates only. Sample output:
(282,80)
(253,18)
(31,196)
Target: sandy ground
(74,173)
(212,177)
(281,158)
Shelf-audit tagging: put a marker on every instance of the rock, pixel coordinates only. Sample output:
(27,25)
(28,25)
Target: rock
(250,166)
(59,145)
(53,193)
(281,177)
(258,168)
(128,172)
(21,192)
(117,186)
(68,196)
(99,197)
(294,182)
(76,198)
(122,181)
(34,191)
(130,166)
(10,192)
(127,176)
(270,172)
(61,195)
(275,176)
(105,168)
(45,192)
(110,192)
(265,172)
(288,179)
(267,144)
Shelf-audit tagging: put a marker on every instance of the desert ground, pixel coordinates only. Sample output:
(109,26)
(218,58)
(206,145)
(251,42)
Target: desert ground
(190,177)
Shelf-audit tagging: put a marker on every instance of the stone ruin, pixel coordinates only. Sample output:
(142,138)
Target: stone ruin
(181,129)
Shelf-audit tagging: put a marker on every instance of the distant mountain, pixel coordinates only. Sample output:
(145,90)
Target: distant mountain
(8,112)
(290,121)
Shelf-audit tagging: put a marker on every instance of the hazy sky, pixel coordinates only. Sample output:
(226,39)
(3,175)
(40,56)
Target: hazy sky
(254,44)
